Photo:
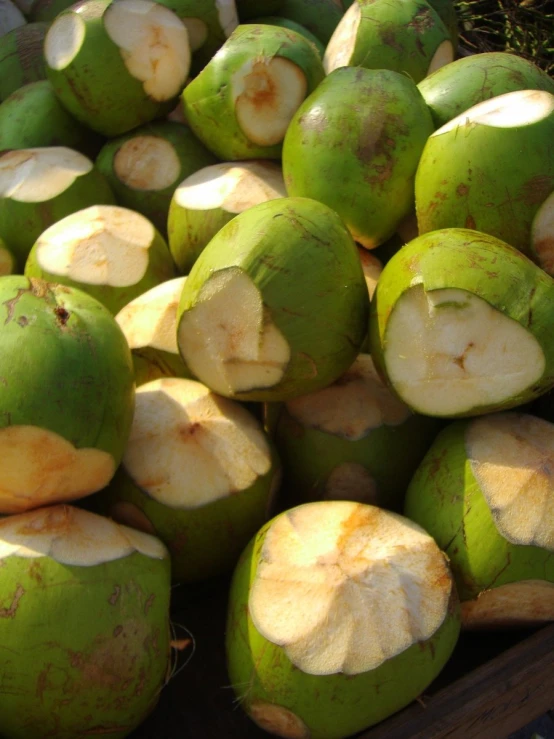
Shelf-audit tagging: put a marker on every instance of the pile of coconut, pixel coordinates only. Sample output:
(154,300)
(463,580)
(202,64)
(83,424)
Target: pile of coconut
(276,305)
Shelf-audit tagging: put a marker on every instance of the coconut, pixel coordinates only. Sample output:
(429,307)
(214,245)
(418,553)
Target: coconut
(112,253)
(21,58)
(149,323)
(241,103)
(117,65)
(199,472)
(39,187)
(145,166)
(10,17)
(208,199)
(485,492)
(86,617)
(276,305)
(403,35)
(66,415)
(320,17)
(274,20)
(462,164)
(353,440)
(461,325)
(462,84)
(339,615)
(355,144)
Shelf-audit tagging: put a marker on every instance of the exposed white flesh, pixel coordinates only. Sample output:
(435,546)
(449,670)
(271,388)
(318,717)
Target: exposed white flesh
(343,41)
(542,235)
(351,481)
(351,407)
(38,175)
(100,245)
(228,16)
(154,45)
(448,351)
(63,40)
(372,269)
(267,91)
(40,467)
(278,720)
(443,55)
(151,319)
(147,163)
(231,186)
(343,587)
(513,109)
(72,536)
(523,604)
(197,31)
(512,459)
(228,339)
(188,447)
(10,17)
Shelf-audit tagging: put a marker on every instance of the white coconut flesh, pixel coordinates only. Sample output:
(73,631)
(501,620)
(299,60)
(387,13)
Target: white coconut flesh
(267,91)
(72,536)
(197,32)
(147,163)
(511,110)
(39,175)
(372,268)
(542,235)
(231,186)
(154,45)
(351,481)
(228,338)
(40,467)
(512,459)
(228,15)
(151,319)
(344,587)
(278,720)
(188,447)
(10,17)
(64,40)
(524,604)
(100,245)
(341,45)
(448,351)
(443,55)
(355,404)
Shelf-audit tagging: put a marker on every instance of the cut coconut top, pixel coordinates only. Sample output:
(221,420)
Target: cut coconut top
(73,536)
(351,481)
(154,45)
(100,245)
(448,351)
(245,349)
(444,54)
(188,447)
(267,91)
(228,16)
(512,459)
(352,406)
(343,587)
(232,186)
(38,175)
(151,319)
(523,604)
(372,268)
(343,41)
(147,163)
(197,32)
(513,109)
(542,235)
(63,40)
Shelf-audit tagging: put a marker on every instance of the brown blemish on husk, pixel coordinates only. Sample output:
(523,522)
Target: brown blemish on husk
(11,610)
(278,720)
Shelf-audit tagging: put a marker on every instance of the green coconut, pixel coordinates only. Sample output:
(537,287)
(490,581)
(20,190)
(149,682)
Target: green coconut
(39,187)
(86,617)
(462,84)
(485,492)
(354,144)
(462,164)
(402,35)
(241,103)
(67,394)
(353,440)
(199,472)
(208,199)
(320,17)
(149,323)
(339,615)
(461,324)
(276,305)
(145,166)
(115,66)
(7,260)
(32,116)
(274,20)
(21,57)
(112,253)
